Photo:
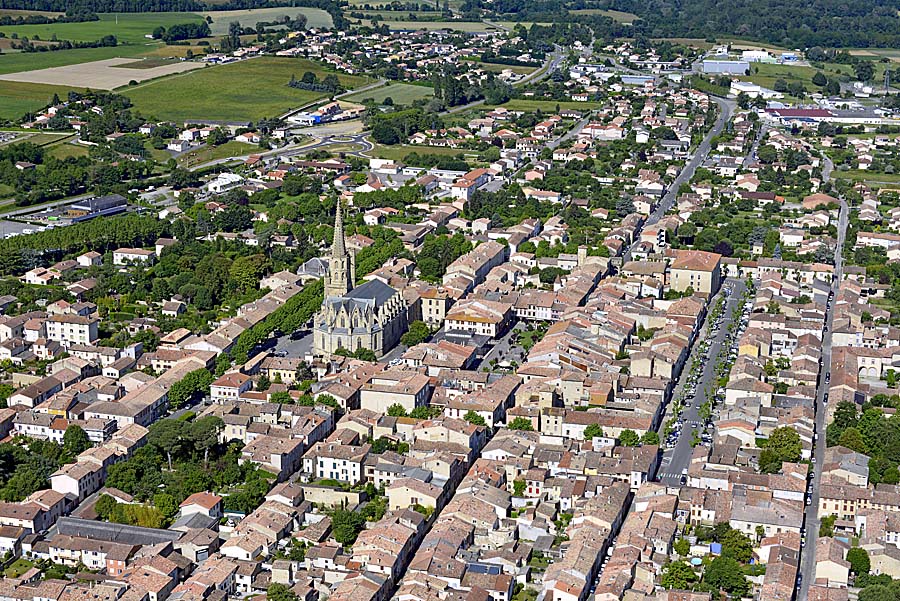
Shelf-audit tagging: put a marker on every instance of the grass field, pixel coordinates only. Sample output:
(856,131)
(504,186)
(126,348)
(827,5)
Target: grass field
(212,153)
(244,91)
(399,151)
(465,26)
(17,568)
(400,93)
(867,176)
(18,98)
(131,27)
(27,61)
(616,15)
(66,150)
(315,17)
(522,104)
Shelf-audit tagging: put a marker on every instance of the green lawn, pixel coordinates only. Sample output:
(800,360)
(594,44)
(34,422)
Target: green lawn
(18,98)
(28,61)
(211,153)
(315,17)
(66,150)
(17,568)
(765,75)
(400,93)
(243,91)
(127,27)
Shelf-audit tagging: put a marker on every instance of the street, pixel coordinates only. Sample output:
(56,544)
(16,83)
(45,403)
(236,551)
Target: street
(675,461)
(726,107)
(808,553)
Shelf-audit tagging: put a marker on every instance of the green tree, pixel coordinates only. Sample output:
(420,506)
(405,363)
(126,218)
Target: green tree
(877,592)
(782,445)
(418,332)
(859,561)
(166,504)
(519,488)
(280,592)
(682,546)
(629,438)
(737,546)
(593,431)
(819,79)
(864,70)
(650,438)
(677,575)
(724,573)
(204,434)
(104,507)
(168,436)
(826,525)
(521,423)
(474,418)
(282,397)
(397,410)
(853,439)
(248,270)
(75,440)
(346,525)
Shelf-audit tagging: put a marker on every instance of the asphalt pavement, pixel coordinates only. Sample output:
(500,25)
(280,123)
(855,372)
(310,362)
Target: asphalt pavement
(726,108)
(811,518)
(675,461)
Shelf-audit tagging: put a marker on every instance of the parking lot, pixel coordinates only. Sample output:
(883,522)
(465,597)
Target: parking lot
(691,426)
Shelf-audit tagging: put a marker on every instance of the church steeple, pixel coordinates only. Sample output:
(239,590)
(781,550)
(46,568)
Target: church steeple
(341,264)
(338,247)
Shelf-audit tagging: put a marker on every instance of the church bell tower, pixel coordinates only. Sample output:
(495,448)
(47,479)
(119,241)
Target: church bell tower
(341,264)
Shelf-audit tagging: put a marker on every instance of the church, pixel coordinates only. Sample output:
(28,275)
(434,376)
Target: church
(371,316)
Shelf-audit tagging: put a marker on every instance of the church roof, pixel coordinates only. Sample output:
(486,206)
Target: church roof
(373,289)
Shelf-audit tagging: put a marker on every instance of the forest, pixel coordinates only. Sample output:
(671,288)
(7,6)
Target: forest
(828,23)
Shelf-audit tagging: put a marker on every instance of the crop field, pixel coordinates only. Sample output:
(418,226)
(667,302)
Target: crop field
(13,12)
(315,17)
(18,98)
(127,27)
(616,15)
(243,91)
(465,26)
(400,93)
(104,75)
(31,61)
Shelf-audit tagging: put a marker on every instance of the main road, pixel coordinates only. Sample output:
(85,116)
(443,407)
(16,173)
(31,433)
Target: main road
(676,460)
(726,108)
(811,520)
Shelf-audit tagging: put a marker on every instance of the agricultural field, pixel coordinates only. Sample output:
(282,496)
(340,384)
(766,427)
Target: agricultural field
(315,17)
(616,15)
(400,93)
(465,26)
(222,93)
(766,74)
(13,12)
(522,104)
(19,98)
(127,27)
(104,75)
(30,61)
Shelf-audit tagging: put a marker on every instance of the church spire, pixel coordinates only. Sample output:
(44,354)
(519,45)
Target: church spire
(338,247)
(341,264)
